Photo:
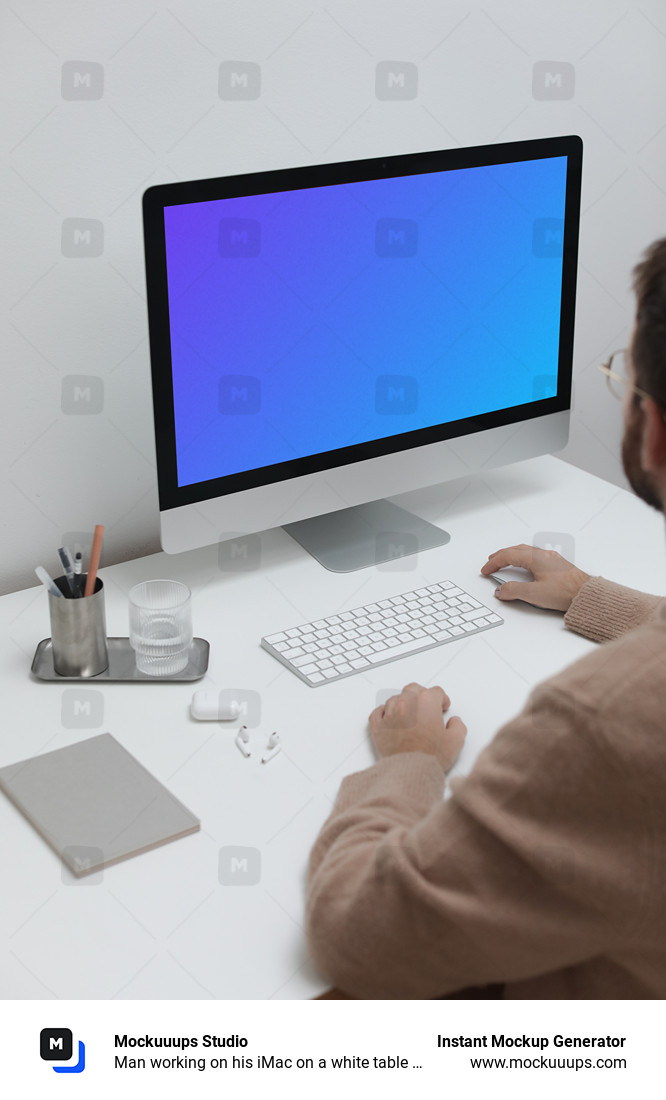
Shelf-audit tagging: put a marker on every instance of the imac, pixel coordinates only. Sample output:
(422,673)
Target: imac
(322,337)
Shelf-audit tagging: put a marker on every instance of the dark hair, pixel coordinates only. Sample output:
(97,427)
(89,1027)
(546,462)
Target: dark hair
(649,342)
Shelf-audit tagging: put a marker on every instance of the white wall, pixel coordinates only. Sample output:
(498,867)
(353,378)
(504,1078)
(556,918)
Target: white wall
(145,108)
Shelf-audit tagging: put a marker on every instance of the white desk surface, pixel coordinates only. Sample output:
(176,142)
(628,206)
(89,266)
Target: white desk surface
(161,925)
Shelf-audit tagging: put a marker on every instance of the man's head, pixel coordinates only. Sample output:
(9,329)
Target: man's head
(644,442)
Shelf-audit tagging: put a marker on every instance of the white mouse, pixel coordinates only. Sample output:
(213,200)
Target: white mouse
(213,706)
(511,573)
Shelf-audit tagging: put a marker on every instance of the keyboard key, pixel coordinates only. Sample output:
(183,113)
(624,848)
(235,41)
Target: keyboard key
(344,668)
(478,613)
(307,669)
(276,638)
(316,678)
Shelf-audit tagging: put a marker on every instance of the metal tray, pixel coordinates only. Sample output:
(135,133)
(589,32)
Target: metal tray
(122,665)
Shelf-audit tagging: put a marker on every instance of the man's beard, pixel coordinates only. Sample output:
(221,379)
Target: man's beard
(640,480)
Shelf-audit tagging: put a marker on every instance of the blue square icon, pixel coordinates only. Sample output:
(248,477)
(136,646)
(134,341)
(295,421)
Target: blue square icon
(548,238)
(396,394)
(239,238)
(239,395)
(396,238)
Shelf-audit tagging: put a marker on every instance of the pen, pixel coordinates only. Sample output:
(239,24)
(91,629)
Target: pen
(78,579)
(93,565)
(47,581)
(68,566)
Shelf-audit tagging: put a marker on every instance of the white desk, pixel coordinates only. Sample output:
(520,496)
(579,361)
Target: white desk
(162,925)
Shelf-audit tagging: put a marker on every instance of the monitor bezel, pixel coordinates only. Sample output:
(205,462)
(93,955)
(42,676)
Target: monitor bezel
(156,198)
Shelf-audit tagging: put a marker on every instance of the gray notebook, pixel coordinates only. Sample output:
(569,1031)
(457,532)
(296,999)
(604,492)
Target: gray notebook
(95,804)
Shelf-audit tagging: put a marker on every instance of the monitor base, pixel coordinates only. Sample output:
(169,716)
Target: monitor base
(368,534)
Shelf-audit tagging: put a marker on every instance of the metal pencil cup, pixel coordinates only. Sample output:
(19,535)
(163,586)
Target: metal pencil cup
(78,632)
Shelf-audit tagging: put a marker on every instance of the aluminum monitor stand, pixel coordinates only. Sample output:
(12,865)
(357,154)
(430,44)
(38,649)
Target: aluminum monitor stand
(368,534)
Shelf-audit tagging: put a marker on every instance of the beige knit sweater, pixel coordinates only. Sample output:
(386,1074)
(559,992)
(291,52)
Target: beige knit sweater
(544,870)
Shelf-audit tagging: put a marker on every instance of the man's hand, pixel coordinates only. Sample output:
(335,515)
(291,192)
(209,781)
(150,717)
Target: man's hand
(556,581)
(413,722)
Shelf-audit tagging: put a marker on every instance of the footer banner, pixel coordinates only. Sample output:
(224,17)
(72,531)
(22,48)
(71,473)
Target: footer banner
(325,1048)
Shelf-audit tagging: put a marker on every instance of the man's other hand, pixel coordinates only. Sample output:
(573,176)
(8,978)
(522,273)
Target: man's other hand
(556,581)
(413,722)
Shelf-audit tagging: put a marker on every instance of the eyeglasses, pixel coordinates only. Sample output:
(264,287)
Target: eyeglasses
(618,378)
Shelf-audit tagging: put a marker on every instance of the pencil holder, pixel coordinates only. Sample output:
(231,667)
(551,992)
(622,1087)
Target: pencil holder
(78,632)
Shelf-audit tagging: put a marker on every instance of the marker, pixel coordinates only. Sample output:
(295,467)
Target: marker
(78,579)
(47,581)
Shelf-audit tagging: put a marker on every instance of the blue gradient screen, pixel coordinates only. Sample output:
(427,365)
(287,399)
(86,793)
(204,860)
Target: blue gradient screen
(310,320)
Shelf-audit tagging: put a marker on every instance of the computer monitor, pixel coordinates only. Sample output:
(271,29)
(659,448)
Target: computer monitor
(322,337)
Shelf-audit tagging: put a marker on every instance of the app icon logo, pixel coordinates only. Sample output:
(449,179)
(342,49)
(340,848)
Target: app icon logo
(56,1045)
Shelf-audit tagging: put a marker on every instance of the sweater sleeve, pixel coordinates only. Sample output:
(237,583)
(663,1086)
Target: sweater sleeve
(527,868)
(603,610)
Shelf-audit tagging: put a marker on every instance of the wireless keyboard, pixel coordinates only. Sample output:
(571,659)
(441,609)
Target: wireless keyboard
(329,649)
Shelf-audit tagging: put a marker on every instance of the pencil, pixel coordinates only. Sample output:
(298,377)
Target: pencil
(94,560)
